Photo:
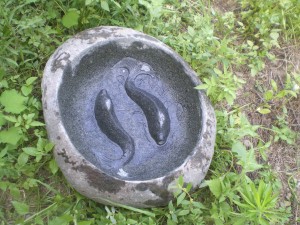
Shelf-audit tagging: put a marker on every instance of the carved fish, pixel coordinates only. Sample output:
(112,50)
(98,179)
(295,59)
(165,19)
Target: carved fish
(111,127)
(157,115)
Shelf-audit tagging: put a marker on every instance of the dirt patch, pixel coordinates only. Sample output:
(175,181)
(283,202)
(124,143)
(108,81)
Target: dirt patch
(282,157)
(225,5)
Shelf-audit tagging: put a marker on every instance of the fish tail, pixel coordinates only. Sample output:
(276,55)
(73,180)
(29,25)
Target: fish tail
(128,152)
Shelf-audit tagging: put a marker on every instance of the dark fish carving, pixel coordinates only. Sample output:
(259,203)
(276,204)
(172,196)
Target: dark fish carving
(111,127)
(156,113)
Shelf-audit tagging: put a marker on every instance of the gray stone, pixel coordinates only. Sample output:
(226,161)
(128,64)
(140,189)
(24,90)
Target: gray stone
(125,118)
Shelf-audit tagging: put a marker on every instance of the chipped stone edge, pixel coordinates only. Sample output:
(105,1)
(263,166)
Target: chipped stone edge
(103,188)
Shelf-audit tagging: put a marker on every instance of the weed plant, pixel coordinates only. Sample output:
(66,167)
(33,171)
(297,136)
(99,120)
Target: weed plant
(33,190)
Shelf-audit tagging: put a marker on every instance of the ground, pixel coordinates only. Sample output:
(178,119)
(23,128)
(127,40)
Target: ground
(282,157)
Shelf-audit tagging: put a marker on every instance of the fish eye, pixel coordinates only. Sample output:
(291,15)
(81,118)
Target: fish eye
(122,71)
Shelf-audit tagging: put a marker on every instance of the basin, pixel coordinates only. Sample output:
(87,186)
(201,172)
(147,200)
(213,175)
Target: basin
(121,108)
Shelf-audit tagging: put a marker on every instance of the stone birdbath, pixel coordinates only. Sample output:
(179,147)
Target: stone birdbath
(125,118)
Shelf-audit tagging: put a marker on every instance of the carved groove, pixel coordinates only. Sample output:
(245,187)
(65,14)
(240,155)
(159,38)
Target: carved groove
(111,127)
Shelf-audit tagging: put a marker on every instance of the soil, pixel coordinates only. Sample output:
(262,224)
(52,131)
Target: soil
(282,157)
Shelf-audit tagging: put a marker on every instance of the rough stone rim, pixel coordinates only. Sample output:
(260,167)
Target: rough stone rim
(72,162)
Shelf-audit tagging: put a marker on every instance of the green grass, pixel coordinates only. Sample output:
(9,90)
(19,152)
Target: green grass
(239,189)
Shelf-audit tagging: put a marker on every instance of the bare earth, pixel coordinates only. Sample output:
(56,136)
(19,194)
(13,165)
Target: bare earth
(283,158)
